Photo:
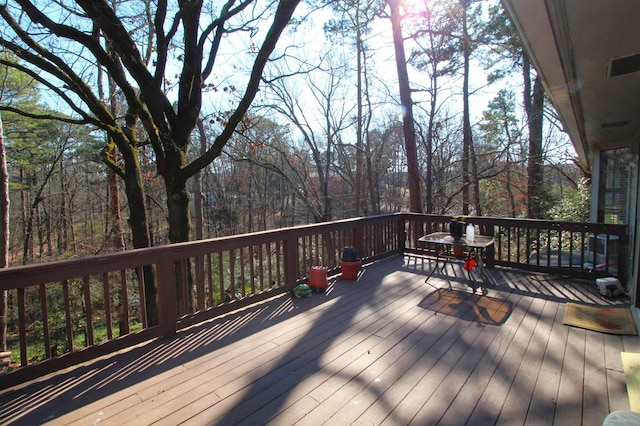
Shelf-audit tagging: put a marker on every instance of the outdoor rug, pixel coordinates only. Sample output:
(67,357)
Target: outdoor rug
(472,307)
(605,319)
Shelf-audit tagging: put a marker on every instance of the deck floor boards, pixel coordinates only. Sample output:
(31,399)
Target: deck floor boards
(364,352)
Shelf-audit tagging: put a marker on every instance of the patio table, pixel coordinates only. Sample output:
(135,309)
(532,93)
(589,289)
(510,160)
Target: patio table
(472,251)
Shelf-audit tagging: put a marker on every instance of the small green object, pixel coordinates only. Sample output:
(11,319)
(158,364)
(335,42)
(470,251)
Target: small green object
(302,290)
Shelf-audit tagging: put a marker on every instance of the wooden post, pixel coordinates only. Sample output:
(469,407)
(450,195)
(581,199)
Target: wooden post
(490,251)
(290,260)
(401,235)
(167,302)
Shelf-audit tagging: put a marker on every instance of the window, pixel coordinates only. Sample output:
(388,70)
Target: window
(614,183)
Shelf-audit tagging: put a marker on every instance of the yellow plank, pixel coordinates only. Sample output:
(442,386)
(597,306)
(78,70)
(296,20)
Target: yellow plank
(631,365)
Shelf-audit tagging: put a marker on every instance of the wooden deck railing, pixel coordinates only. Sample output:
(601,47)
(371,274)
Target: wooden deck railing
(66,312)
(541,245)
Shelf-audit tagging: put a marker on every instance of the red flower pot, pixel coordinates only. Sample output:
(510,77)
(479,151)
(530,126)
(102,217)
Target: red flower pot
(350,269)
(318,277)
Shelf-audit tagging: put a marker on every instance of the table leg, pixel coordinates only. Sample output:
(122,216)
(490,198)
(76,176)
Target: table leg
(471,256)
(435,267)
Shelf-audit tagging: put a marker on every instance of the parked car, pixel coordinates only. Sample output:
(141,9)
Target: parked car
(556,259)
(602,253)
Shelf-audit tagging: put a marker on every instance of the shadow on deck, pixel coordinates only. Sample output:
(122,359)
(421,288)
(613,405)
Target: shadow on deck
(363,352)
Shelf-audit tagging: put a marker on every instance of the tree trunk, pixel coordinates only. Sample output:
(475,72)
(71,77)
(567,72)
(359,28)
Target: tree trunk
(477,206)
(358,182)
(327,211)
(429,197)
(4,236)
(197,185)
(138,221)
(372,177)
(534,103)
(179,223)
(114,204)
(114,189)
(466,123)
(413,173)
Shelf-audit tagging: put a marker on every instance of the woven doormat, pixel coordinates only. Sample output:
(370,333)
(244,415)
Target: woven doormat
(473,307)
(605,319)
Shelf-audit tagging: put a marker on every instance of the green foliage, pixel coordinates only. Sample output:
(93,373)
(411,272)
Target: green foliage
(59,341)
(574,206)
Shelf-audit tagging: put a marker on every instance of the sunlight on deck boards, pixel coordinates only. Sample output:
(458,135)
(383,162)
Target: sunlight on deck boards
(363,352)
(631,364)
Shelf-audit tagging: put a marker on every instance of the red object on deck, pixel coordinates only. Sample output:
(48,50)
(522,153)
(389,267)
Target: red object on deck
(318,277)
(469,263)
(350,269)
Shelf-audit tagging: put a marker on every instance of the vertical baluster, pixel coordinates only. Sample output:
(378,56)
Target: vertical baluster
(261,252)
(571,240)
(143,298)
(199,265)
(86,288)
(313,247)
(582,247)
(232,274)
(252,269)
(124,300)
(303,264)
(548,247)
(107,305)
(67,311)
(210,279)
(607,261)
(221,277)
(242,274)
(519,244)
(536,244)
(328,248)
(507,241)
(384,232)
(278,270)
(22,326)
(186,302)
(45,320)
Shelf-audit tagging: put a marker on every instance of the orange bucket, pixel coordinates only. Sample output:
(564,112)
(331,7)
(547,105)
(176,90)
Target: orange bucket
(318,277)
(350,269)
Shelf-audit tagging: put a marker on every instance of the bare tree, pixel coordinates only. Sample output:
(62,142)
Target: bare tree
(413,172)
(320,116)
(435,54)
(4,236)
(355,19)
(170,58)
(508,53)
(534,107)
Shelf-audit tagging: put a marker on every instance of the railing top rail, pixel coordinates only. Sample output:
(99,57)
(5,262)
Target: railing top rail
(21,276)
(27,275)
(605,228)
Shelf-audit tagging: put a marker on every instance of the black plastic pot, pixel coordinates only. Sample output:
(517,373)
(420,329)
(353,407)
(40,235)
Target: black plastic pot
(456,229)
(349,254)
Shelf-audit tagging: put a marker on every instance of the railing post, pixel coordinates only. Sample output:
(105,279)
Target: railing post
(490,251)
(401,235)
(167,303)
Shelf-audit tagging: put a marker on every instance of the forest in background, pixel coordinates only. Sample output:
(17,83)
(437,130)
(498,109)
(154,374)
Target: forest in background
(323,138)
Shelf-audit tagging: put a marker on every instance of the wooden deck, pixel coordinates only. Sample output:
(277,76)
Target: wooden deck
(367,352)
